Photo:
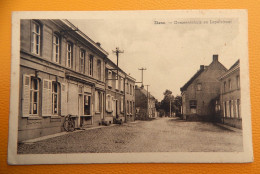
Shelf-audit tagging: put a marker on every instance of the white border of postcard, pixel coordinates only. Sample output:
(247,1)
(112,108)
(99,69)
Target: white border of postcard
(155,157)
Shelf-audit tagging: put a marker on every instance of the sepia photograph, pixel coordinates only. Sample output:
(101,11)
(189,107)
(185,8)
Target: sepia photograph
(130,87)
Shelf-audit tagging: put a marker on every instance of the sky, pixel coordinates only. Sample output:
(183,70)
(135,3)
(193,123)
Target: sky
(172,53)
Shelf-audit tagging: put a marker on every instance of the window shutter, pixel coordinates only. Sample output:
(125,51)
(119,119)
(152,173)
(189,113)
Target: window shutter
(49,99)
(26,95)
(63,99)
(45,97)
(96,101)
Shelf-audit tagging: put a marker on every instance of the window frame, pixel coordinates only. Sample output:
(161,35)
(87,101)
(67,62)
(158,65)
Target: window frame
(82,60)
(58,93)
(32,92)
(69,54)
(34,36)
(55,53)
(90,65)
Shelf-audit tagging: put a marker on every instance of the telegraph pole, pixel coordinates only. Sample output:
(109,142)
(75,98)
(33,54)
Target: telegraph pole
(147,101)
(142,69)
(117,52)
(170,107)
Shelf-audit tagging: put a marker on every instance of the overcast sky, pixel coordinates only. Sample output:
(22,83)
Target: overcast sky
(171,53)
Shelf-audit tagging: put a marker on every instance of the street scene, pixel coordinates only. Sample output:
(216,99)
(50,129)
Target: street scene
(160,135)
(125,88)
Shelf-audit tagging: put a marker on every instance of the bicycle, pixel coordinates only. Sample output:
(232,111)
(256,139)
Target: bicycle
(69,123)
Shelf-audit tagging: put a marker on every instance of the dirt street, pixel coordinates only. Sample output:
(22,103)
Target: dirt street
(160,135)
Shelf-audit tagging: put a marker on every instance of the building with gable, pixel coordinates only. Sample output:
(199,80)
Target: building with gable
(145,104)
(201,91)
(230,97)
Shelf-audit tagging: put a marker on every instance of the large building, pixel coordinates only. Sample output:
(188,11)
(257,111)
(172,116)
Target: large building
(201,91)
(130,98)
(118,88)
(145,104)
(63,71)
(230,97)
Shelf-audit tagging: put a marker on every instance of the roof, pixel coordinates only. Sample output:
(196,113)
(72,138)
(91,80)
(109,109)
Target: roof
(192,79)
(234,67)
(83,35)
(142,90)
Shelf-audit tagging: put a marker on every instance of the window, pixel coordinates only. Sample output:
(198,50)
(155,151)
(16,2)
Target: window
(133,109)
(82,61)
(228,109)
(117,84)
(199,87)
(238,109)
(130,89)
(225,86)
(122,84)
(36,38)
(98,101)
(55,98)
(229,85)
(127,107)
(238,82)
(109,103)
(56,49)
(224,109)
(231,109)
(122,104)
(69,55)
(133,90)
(99,69)
(109,83)
(130,108)
(87,104)
(193,106)
(127,88)
(34,96)
(90,65)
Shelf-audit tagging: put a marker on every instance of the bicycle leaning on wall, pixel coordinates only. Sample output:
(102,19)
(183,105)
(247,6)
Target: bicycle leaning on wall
(69,125)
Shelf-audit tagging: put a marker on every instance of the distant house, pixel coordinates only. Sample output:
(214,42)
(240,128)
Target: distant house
(230,97)
(201,91)
(145,104)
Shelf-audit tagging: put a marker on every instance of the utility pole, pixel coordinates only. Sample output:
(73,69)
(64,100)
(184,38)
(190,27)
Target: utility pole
(142,69)
(147,101)
(117,52)
(170,106)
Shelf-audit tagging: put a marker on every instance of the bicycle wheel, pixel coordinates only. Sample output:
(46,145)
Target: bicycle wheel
(71,126)
(67,125)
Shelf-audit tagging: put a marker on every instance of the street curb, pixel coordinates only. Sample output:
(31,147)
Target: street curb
(31,141)
(229,127)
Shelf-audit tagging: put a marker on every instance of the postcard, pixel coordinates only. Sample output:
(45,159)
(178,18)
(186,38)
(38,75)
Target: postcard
(130,87)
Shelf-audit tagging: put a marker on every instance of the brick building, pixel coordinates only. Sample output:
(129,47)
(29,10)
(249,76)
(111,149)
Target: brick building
(62,71)
(145,104)
(230,97)
(200,92)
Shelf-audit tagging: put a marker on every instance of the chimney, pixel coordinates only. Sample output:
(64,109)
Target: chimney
(201,67)
(98,44)
(215,57)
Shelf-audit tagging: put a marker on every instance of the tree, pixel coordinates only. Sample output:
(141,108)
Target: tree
(165,103)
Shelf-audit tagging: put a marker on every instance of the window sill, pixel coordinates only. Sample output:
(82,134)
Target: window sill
(86,116)
(34,118)
(109,112)
(97,112)
(55,116)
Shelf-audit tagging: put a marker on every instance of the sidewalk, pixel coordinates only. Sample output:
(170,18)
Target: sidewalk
(31,141)
(229,127)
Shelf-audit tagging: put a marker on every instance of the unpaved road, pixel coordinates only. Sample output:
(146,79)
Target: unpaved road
(160,135)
